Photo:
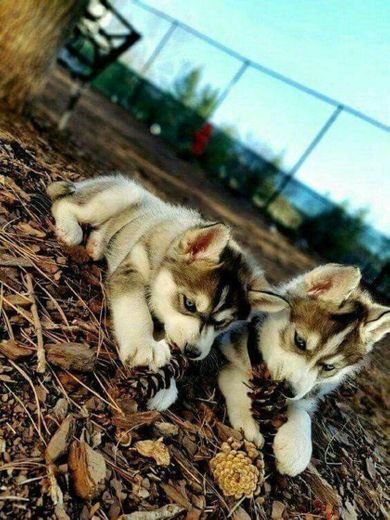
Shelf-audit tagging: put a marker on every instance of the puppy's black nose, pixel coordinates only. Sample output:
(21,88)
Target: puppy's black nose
(288,390)
(192,352)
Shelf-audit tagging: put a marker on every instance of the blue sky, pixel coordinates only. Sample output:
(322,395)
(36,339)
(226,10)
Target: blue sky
(340,47)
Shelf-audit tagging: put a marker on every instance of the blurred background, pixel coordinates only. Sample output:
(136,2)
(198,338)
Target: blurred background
(285,105)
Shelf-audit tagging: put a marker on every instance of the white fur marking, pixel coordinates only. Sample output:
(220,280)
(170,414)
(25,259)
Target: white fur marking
(164,398)
(292,444)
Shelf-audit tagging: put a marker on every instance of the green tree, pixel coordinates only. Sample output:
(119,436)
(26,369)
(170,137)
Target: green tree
(187,90)
(335,233)
(220,152)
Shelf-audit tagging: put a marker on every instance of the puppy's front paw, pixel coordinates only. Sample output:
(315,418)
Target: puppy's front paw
(69,232)
(161,354)
(252,433)
(153,355)
(95,245)
(293,448)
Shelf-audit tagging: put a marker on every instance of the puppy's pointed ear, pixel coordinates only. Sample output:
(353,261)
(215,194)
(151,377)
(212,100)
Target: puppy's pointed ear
(263,297)
(267,300)
(331,282)
(377,324)
(204,243)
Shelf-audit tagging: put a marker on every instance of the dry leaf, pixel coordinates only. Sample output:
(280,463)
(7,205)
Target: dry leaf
(321,489)
(194,514)
(174,494)
(277,510)
(138,490)
(133,420)
(225,432)
(349,512)
(71,356)
(17,299)
(371,468)
(87,469)
(123,437)
(12,261)
(154,449)
(48,265)
(60,409)
(10,183)
(30,230)
(12,350)
(68,381)
(241,514)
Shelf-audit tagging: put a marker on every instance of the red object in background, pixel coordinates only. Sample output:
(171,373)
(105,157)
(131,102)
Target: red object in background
(201,139)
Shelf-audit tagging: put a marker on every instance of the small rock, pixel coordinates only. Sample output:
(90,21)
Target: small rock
(167,429)
(277,510)
(59,443)
(71,356)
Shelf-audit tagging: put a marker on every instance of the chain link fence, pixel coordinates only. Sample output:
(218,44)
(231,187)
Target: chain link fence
(176,102)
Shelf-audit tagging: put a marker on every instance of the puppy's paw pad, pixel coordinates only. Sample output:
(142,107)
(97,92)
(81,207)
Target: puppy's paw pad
(292,449)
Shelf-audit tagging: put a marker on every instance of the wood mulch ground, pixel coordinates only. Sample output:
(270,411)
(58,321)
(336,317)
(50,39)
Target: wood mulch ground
(68,445)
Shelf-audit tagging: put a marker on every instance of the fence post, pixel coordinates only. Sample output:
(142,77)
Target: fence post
(304,156)
(235,79)
(135,92)
(159,47)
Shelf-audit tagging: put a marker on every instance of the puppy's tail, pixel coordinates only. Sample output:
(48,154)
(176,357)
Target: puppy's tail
(59,189)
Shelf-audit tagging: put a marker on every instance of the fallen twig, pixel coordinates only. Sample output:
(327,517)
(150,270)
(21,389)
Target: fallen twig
(41,365)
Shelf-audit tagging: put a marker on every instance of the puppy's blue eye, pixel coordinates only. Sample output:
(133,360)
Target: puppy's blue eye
(328,368)
(189,305)
(299,342)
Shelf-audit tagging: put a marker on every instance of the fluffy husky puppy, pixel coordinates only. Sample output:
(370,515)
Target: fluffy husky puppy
(165,263)
(318,329)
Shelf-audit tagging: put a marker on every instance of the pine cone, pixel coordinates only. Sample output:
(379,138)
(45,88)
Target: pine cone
(269,406)
(238,469)
(141,384)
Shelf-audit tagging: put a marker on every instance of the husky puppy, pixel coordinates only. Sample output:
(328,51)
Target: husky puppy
(165,263)
(317,330)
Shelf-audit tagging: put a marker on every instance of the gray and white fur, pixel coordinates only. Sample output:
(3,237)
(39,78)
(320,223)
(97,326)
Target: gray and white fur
(317,330)
(165,263)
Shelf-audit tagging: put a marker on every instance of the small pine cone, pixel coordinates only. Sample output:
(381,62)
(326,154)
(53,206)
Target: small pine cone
(141,383)
(269,405)
(238,469)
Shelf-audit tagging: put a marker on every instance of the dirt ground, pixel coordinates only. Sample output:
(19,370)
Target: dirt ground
(349,475)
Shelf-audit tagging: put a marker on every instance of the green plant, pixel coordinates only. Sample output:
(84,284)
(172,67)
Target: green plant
(335,233)
(187,90)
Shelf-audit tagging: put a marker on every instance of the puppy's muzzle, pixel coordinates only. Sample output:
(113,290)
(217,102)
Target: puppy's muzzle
(288,391)
(192,351)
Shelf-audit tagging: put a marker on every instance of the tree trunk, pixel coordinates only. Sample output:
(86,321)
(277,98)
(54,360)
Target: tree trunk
(31,34)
